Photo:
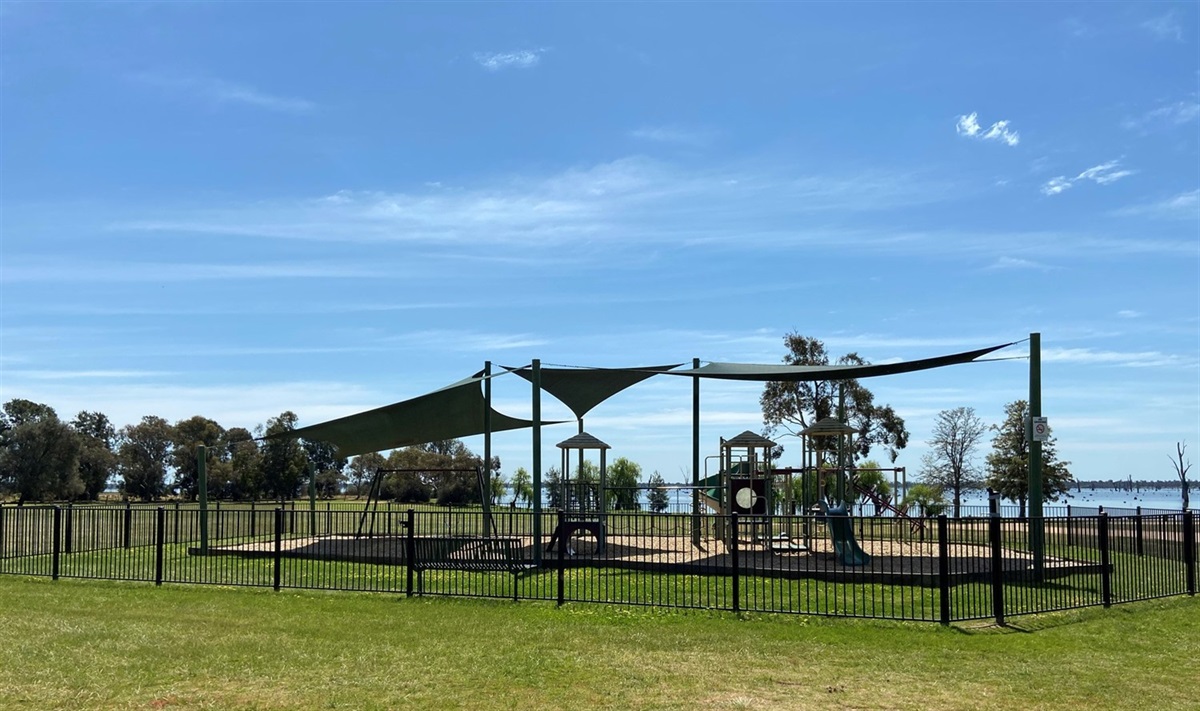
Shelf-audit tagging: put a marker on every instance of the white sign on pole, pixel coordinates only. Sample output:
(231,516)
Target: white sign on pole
(1041,429)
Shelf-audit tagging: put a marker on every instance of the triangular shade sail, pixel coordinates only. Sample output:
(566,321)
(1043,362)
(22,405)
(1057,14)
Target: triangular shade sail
(795,373)
(453,412)
(581,389)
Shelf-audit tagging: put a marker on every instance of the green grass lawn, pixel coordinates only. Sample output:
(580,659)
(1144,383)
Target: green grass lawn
(90,644)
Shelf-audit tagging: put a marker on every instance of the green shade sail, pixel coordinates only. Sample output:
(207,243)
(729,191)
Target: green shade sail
(457,410)
(796,373)
(453,412)
(581,389)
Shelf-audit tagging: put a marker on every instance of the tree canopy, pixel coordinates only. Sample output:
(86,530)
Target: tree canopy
(794,406)
(39,454)
(1008,463)
(950,463)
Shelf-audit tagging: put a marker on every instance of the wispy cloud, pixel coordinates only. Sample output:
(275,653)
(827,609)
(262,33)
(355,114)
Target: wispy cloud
(1184,206)
(968,126)
(129,272)
(1130,359)
(607,203)
(673,134)
(1166,116)
(1018,263)
(1129,313)
(1102,174)
(219,91)
(518,59)
(1164,27)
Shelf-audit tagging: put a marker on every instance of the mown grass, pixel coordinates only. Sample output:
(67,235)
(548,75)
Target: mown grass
(102,645)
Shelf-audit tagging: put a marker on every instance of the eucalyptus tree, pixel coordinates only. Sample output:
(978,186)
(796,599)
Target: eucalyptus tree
(143,457)
(187,438)
(39,454)
(1008,463)
(794,406)
(97,458)
(951,462)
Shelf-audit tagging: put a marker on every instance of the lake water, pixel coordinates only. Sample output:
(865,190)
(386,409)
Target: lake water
(1083,503)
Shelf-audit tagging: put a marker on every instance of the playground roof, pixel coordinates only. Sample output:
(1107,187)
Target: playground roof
(583,440)
(458,410)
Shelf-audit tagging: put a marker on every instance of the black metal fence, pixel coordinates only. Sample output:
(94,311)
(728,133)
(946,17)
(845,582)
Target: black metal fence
(937,570)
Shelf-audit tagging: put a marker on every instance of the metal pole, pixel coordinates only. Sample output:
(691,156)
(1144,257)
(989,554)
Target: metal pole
(1036,523)
(202,484)
(312,498)
(696,455)
(486,494)
(536,380)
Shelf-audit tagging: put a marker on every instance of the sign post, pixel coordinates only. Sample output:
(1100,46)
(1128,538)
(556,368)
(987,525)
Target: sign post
(1036,421)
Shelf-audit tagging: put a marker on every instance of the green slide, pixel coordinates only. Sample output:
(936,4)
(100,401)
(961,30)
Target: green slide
(842,531)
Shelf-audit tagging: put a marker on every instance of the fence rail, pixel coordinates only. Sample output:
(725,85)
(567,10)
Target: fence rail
(947,570)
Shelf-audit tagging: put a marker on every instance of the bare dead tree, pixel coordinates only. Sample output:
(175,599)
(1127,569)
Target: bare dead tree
(1181,470)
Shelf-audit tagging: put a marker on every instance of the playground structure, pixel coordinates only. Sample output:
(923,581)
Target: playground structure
(744,486)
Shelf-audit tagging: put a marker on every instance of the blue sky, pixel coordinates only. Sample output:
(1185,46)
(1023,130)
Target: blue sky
(238,209)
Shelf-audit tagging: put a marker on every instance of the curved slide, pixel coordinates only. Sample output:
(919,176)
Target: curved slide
(841,530)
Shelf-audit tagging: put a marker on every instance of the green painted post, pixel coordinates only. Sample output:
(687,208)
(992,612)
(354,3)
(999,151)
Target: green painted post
(486,494)
(536,379)
(1036,523)
(202,482)
(696,455)
(312,498)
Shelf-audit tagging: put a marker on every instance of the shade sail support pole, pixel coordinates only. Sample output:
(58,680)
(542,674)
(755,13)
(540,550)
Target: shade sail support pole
(696,456)
(536,380)
(486,494)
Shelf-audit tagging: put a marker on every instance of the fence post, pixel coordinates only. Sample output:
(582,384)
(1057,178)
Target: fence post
(177,518)
(68,528)
(995,539)
(733,561)
(253,520)
(278,545)
(1070,528)
(1,529)
(562,555)
(1105,562)
(1189,550)
(128,525)
(57,545)
(944,567)
(1137,531)
(160,531)
(410,551)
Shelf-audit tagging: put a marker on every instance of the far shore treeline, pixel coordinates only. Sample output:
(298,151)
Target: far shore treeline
(43,458)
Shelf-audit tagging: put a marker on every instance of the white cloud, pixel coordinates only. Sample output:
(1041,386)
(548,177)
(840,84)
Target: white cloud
(968,126)
(1164,27)
(1166,116)
(220,91)
(1184,206)
(673,134)
(519,59)
(1134,359)
(1129,313)
(130,272)
(1054,186)
(1102,174)
(1018,263)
